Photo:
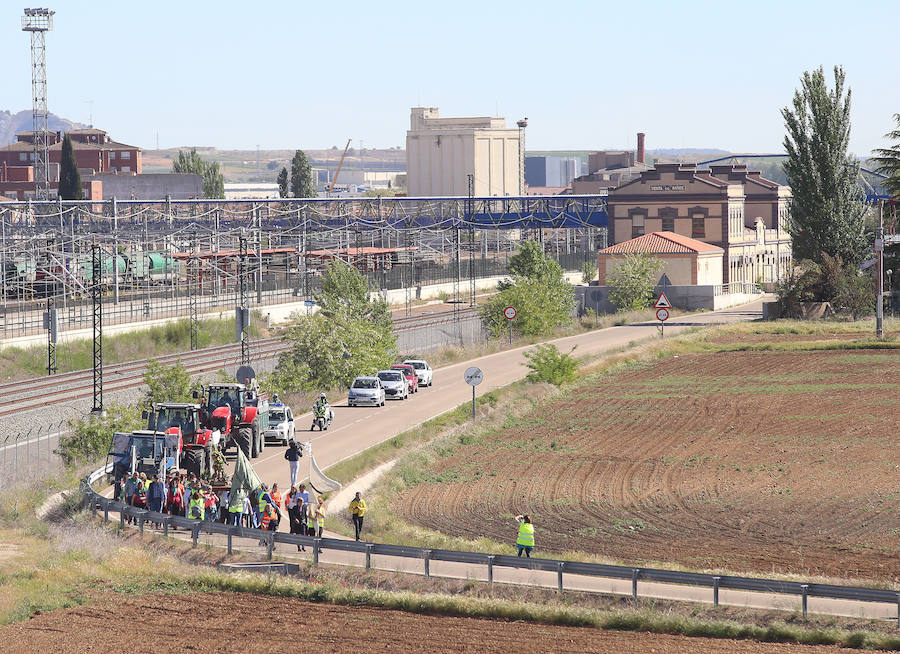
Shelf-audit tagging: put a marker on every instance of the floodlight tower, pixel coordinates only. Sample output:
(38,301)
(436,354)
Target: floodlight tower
(39,21)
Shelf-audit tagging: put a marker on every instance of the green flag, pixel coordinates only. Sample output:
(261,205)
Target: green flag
(243,482)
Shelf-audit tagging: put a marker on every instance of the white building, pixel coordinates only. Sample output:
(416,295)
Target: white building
(251,191)
(442,152)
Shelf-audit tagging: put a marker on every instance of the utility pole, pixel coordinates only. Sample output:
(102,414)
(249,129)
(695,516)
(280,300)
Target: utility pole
(242,313)
(51,323)
(879,268)
(97,302)
(39,22)
(470,213)
(193,272)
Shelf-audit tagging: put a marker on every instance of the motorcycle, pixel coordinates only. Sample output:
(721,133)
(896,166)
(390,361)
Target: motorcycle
(323,416)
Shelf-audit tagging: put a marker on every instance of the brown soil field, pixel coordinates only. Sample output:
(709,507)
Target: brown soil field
(233,622)
(757,462)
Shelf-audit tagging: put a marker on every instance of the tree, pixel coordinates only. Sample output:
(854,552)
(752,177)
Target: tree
(888,161)
(543,299)
(168,383)
(191,163)
(69,178)
(548,364)
(302,184)
(91,436)
(283,183)
(351,335)
(588,271)
(826,214)
(632,282)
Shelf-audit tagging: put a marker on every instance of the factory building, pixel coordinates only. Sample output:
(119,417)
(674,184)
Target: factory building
(442,152)
(551,171)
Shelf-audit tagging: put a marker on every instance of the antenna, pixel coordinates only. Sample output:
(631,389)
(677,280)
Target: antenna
(39,22)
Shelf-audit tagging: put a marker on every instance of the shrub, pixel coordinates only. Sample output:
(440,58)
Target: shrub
(588,271)
(91,435)
(631,284)
(548,364)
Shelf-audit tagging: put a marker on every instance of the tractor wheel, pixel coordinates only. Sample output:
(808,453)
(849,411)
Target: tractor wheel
(244,439)
(192,461)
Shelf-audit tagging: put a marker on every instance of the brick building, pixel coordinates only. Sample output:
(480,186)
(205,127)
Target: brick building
(727,206)
(95,152)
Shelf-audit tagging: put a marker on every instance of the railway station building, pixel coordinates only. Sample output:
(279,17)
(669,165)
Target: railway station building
(727,206)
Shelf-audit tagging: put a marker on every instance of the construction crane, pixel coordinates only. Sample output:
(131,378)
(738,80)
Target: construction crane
(338,171)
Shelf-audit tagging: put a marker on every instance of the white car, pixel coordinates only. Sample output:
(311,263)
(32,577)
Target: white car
(394,384)
(281,423)
(423,371)
(366,390)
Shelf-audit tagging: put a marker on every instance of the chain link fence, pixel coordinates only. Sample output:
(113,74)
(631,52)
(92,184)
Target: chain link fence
(29,455)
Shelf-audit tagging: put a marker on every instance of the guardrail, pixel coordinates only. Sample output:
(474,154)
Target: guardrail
(803,590)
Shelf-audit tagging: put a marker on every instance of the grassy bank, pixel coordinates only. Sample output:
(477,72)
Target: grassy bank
(23,363)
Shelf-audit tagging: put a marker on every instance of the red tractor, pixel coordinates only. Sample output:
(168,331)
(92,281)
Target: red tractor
(239,413)
(199,440)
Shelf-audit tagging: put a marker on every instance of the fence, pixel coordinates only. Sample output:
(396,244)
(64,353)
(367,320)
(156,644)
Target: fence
(561,569)
(28,455)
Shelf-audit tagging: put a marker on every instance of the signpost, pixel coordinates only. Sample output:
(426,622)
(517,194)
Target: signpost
(473,377)
(663,307)
(509,313)
(309,304)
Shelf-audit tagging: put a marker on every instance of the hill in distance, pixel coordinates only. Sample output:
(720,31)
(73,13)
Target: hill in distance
(23,121)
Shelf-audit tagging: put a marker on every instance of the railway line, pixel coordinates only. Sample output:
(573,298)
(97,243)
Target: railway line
(25,395)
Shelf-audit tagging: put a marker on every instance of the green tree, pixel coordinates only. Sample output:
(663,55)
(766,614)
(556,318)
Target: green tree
(632,282)
(283,183)
(302,184)
(351,335)
(69,178)
(168,383)
(91,436)
(826,214)
(543,299)
(588,271)
(213,180)
(888,161)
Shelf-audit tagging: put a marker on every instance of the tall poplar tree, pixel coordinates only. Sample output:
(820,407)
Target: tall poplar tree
(302,184)
(888,161)
(283,183)
(69,178)
(827,215)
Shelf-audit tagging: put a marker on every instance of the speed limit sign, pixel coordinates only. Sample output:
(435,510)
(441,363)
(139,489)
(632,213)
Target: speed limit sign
(662,314)
(509,312)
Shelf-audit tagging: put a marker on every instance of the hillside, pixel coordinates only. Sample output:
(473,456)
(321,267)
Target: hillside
(10,123)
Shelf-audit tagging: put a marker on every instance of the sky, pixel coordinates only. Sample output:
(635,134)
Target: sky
(588,75)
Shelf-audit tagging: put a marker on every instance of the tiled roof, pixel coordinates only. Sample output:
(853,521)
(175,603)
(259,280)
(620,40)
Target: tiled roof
(661,243)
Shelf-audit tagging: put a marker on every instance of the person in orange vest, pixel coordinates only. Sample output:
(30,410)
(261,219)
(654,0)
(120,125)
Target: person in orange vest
(267,521)
(275,494)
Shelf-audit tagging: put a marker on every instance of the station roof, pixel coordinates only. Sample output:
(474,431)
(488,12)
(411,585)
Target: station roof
(661,243)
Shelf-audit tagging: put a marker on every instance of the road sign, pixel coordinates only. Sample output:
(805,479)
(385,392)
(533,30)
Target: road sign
(509,312)
(662,314)
(309,303)
(473,376)
(662,302)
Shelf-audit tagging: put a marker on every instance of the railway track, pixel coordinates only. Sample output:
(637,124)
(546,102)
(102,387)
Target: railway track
(25,395)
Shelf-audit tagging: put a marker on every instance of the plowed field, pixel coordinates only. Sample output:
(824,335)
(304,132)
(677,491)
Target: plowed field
(226,622)
(750,461)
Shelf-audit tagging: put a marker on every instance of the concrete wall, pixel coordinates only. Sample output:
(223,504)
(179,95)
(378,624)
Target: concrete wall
(152,186)
(689,298)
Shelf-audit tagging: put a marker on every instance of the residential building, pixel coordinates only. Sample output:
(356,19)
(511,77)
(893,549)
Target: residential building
(727,206)
(442,152)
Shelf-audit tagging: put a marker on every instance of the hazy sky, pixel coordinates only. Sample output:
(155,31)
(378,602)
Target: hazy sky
(588,75)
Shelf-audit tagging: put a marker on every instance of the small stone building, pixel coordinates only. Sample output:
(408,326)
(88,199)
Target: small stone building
(686,261)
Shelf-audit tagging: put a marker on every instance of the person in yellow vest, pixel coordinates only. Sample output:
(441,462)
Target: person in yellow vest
(320,517)
(196,509)
(525,539)
(357,511)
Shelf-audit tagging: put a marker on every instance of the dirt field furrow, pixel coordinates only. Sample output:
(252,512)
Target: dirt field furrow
(750,461)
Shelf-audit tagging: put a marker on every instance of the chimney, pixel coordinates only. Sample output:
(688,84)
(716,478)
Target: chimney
(640,148)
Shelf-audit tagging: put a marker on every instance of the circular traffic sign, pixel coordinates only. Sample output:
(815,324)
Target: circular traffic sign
(509,312)
(662,314)
(473,376)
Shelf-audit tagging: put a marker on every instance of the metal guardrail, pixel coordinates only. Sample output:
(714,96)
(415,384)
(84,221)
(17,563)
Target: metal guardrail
(804,590)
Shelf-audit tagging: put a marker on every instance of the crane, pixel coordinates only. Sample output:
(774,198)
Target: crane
(338,171)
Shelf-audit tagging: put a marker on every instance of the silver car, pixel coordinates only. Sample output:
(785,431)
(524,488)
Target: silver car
(366,390)
(423,371)
(394,384)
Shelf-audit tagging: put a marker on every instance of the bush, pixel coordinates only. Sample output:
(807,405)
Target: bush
(631,284)
(588,271)
(548,364)
(828,280)
(168,383)
(92,435)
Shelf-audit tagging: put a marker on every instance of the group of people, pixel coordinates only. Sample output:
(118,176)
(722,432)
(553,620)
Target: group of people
(306,515)
(180,494)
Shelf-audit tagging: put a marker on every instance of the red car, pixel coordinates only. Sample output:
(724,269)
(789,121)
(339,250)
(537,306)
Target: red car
(410,373)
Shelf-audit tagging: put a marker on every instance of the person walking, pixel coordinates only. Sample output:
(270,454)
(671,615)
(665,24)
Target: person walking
(196,508)
(156,495)
(301,520)
(525,538)
(357,511)
(129,488)
(292,455)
